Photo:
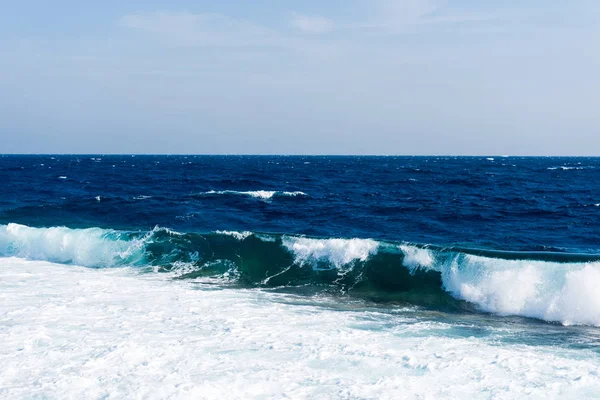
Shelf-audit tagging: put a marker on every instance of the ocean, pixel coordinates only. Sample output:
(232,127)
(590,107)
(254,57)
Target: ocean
(137,276)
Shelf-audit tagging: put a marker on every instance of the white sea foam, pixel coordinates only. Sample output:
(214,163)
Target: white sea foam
(337,252)
(62,177)
(417,258)
(565,293)
(260,194)
(265,237)
(564,168)
(91,247)
(559,292)
(235,234)
(70,332)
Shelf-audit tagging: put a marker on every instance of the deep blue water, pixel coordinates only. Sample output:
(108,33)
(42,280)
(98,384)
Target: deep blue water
(504,203)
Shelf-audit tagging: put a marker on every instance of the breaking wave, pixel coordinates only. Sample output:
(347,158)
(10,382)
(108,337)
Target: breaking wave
(557,287)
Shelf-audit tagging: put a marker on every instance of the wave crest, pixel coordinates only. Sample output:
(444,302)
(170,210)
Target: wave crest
(552,287)
(565,293)
(92,247)
(235,234)
(332,252)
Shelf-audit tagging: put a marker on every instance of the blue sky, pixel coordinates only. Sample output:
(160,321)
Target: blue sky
(310,77)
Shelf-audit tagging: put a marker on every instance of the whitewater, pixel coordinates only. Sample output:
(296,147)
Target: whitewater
(74,332)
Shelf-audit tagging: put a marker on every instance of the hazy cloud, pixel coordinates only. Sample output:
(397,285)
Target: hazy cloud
(314,24)
(395,16)
(189,29)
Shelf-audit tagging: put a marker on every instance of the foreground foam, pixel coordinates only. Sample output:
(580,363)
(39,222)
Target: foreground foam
(84,333)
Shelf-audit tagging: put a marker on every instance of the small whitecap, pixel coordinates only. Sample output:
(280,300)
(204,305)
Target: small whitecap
(238,235)
(564,168)
(259,194)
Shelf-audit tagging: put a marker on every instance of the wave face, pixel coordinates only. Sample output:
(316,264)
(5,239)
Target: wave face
(552,287)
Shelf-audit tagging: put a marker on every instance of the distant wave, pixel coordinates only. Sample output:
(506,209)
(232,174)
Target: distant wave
(260,194)
(550,286)
(566,168)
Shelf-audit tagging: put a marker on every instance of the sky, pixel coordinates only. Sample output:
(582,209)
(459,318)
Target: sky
(460,77)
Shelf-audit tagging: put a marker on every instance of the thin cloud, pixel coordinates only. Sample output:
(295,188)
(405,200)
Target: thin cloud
(314,24)
(395,16)
(228,35)
(189,29)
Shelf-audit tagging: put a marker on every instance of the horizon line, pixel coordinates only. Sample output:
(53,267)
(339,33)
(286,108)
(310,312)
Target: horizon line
(296,155)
